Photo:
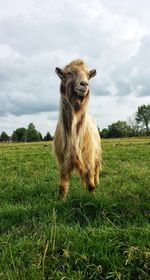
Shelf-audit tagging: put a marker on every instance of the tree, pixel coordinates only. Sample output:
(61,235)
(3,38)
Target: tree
(143,116)
(48,137)
(14,136)
(40,137)
(4,137)
(104,133)
(19,134)
(135,128)
(31,126)
(119,129)
(32,134)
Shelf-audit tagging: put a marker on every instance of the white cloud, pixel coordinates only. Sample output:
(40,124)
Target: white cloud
(36,36)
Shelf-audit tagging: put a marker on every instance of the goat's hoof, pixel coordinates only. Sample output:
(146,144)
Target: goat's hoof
(92,192)
(62,197)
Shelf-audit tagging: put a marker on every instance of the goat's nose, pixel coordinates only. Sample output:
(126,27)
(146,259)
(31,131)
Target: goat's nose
(84,83)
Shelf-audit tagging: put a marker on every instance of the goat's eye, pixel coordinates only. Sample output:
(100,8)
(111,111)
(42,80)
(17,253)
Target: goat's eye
(69,74)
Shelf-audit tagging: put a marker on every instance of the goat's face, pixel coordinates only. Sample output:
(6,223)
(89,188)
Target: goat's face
(75,81)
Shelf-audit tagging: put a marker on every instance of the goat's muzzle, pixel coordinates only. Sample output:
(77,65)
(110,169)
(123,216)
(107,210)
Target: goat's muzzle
(82,88)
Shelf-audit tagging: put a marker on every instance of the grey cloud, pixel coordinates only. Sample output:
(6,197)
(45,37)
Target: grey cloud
(133,76)
(26,108)
(123,88)
(99,88)
(53,34)
(139,69)
(28,86)
(140,62)
(135,9)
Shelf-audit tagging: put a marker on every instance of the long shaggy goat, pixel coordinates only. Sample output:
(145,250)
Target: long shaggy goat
(76,141)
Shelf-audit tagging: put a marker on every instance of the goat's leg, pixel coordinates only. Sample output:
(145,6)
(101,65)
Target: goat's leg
(65,174)
(97,171)
(90,182)
(64,186)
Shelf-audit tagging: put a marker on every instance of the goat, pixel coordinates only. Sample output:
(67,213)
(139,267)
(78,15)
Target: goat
(76,140)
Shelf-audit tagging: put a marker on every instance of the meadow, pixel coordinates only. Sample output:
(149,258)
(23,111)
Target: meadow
(85,237)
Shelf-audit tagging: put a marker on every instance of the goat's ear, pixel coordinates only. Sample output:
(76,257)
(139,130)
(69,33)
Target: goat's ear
(60,73)
(92,73)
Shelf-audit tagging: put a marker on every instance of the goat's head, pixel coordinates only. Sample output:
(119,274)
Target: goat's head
(75,82)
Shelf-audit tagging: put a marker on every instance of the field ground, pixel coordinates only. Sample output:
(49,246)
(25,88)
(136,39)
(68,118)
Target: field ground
(106,237)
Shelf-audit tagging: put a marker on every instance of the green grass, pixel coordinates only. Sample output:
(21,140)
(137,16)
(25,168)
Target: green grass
(106,237)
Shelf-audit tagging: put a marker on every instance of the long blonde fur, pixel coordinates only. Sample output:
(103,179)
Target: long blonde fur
(80,148)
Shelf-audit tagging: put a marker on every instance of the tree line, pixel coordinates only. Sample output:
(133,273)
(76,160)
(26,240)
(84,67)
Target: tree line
(139,126)
(29,134)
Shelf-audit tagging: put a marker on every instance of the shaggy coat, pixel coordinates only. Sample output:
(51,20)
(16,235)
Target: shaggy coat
(76,141)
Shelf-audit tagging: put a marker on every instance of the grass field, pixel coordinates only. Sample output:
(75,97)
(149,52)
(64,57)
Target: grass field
(106,237)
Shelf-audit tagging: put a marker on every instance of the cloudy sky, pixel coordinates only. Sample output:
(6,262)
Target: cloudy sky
(38,35)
